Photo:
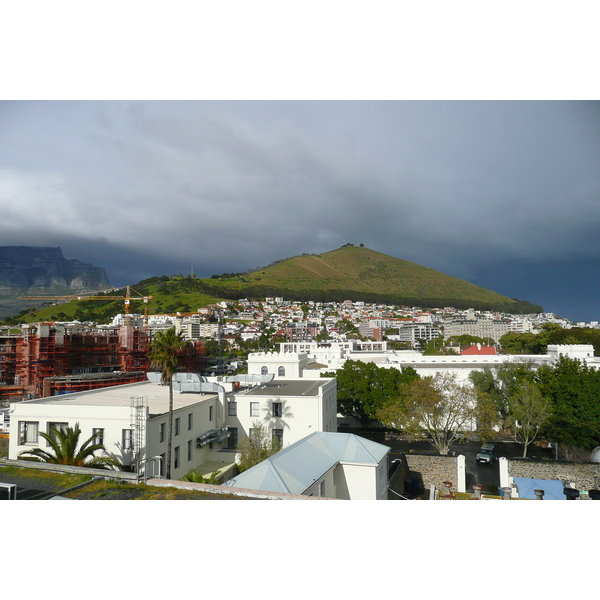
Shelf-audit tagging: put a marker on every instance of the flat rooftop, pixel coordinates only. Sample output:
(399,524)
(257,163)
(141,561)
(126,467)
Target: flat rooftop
(289,387)
(120,395)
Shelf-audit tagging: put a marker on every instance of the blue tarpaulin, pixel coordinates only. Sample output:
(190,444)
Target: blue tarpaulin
(553,488)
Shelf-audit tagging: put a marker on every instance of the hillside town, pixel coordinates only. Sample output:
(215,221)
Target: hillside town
(272,367)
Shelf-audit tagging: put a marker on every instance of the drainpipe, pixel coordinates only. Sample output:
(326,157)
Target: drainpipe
(507,492)
(539,494)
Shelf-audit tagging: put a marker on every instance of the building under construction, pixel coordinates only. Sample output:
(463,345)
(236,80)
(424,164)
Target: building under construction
(47,359)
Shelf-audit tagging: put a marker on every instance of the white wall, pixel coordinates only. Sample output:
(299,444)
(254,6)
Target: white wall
(301,416)
(113,421)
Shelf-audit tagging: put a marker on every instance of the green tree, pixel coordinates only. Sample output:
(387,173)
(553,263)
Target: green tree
(574,390)
(165,350)
(256,447)
(67,451)
(528,411)
(438,406)
(195,477)
(363,388)
(500,383)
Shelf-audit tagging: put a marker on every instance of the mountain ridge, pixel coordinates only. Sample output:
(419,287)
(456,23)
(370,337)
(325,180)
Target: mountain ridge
(349,273)
(28,270)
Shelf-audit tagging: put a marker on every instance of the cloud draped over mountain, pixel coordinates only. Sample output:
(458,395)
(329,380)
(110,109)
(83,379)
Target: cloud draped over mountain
(477,190)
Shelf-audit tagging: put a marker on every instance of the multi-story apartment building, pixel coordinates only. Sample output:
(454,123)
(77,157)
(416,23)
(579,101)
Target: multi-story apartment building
(302,331)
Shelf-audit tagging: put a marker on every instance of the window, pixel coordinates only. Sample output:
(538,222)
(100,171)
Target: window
(176,457)
(98,434)
(277,436)
(189,450)
(263,370)
(52,427)
(233,437)
(232,410)
(28,432)
(190,421)
(177,426)
(281,372)
(277,409)
(322,489)
(127,439)
(210,413)
(161,433)
(163,468)
(254,409)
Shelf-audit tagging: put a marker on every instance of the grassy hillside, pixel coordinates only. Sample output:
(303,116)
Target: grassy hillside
(358,273)
(348,273)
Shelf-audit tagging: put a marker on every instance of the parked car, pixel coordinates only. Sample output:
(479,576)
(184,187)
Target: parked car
(487,454)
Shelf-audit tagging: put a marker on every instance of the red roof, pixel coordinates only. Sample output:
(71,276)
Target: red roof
(479,350)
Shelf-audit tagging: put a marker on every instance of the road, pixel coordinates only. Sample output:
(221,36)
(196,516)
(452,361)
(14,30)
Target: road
(487,476)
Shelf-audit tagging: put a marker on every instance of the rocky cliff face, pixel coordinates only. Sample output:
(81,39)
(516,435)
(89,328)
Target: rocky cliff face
(31,268)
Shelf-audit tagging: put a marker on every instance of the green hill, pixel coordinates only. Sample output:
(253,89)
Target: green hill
(348,273)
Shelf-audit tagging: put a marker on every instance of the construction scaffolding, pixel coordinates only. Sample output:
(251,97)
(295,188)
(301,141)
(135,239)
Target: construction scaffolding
(47,359)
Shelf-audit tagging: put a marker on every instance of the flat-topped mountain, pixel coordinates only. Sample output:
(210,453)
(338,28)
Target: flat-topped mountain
(42,270)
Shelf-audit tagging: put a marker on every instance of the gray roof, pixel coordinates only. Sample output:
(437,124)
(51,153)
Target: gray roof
(295,468)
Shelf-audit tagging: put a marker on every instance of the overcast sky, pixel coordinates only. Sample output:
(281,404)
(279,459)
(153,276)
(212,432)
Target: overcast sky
(503,194)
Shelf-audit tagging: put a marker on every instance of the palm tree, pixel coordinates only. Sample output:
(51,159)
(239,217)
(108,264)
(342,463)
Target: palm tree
(64,443)
(164,353)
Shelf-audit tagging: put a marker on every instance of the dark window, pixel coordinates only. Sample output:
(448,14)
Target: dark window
(277,436)
(277,409)
(233,437)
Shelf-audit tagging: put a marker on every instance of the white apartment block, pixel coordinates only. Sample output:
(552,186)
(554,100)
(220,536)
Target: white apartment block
(290,408)
(132,422)
(483,328)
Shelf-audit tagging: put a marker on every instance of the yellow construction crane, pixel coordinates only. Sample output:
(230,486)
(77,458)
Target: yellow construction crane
(127,299)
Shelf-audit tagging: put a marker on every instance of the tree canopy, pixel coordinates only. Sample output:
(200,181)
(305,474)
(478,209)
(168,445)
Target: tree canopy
(438,407)
(363,388)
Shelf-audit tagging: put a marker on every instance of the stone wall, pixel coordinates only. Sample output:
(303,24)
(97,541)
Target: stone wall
(582,476)
(435,469)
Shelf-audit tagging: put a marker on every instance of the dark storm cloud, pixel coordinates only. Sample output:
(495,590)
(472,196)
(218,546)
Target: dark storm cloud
(154,188)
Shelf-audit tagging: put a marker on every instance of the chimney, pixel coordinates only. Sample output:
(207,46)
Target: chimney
(571,493)
(448,485)
(507,492)
(476,492)
(539,494)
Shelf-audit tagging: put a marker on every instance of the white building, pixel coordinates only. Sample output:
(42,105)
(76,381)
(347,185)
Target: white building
(328,465)
(290,408)
(322,357)
(129,420)
(209,418)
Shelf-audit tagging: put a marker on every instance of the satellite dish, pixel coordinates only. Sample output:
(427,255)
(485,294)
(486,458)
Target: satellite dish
(595,456)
